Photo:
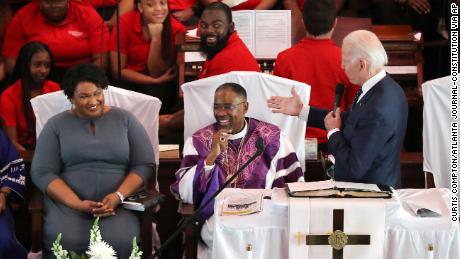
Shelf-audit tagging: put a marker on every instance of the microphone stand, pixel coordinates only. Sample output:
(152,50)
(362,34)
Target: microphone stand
(157,254)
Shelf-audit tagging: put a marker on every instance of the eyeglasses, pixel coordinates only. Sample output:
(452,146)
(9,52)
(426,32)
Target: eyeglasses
(226,106)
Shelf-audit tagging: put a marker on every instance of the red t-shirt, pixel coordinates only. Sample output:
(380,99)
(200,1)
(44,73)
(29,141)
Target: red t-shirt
(72,41)
(318,64)
(102,3)
(248,5)
(132,42)
(234,57)
(300,3)
(180,4)
(12,111)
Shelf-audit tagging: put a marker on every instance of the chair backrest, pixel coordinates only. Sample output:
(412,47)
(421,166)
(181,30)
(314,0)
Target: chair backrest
(146,109)
(199,98)
(437,122)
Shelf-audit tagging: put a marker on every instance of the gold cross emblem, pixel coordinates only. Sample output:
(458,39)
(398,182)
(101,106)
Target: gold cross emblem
(298,238)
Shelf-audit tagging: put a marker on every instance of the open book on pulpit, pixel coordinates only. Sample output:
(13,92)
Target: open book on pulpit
(335,189)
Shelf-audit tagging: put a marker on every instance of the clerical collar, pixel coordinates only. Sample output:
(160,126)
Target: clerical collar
(240,134)
(371,82)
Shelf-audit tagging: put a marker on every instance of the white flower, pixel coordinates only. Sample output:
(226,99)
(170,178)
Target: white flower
(101,250)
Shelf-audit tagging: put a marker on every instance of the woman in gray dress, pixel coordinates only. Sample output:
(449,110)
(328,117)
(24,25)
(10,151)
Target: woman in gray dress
(86,161)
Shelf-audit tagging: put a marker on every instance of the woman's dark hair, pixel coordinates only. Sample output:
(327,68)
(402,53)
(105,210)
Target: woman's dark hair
(21,71)
(83,73)
(166,36)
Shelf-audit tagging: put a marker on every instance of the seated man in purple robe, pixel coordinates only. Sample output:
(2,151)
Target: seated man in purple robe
(216,152)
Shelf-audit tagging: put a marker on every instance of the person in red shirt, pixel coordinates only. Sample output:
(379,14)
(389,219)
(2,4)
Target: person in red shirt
(296,7)
(316,61)
(185,10)
(224,50)
(182,10)
(255,5)
(148,51)
(29,79)
(107,9)
(73,30)
(175,5)
(5,18)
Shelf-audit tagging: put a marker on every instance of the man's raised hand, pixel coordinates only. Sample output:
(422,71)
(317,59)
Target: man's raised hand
(286,105)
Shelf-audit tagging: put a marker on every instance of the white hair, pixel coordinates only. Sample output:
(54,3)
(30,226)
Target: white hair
(365,44)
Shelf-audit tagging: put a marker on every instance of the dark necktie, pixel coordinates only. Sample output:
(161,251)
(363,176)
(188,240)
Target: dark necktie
(355,101)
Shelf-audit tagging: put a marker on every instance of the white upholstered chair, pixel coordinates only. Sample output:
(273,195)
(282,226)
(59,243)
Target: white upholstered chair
(145,108)
(437,122)
(199,99)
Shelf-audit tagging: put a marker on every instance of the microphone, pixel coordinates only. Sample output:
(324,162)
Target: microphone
(260,145)
(260,149)
(338,96)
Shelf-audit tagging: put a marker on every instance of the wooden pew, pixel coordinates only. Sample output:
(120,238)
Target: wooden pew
(405,58)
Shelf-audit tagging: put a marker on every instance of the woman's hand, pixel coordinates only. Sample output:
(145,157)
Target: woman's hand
(109,204)
(169,75)
(184,15)
(88,206)
(420,6)
(155,29)
(2,202)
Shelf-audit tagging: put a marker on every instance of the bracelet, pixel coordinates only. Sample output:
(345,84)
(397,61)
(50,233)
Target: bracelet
(120,196)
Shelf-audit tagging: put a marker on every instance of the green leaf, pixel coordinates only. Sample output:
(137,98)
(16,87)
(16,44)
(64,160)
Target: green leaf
(57,249)
(74,255)
(95,233)
(135,253)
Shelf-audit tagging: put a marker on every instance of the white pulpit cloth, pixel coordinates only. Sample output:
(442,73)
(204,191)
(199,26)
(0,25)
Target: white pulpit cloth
(232,234)
(406,236)
(313,216)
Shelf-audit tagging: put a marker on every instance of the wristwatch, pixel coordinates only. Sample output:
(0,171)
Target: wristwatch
(120,195)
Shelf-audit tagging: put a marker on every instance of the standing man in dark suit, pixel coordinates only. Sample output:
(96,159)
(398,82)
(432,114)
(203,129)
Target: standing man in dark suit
(366,141)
